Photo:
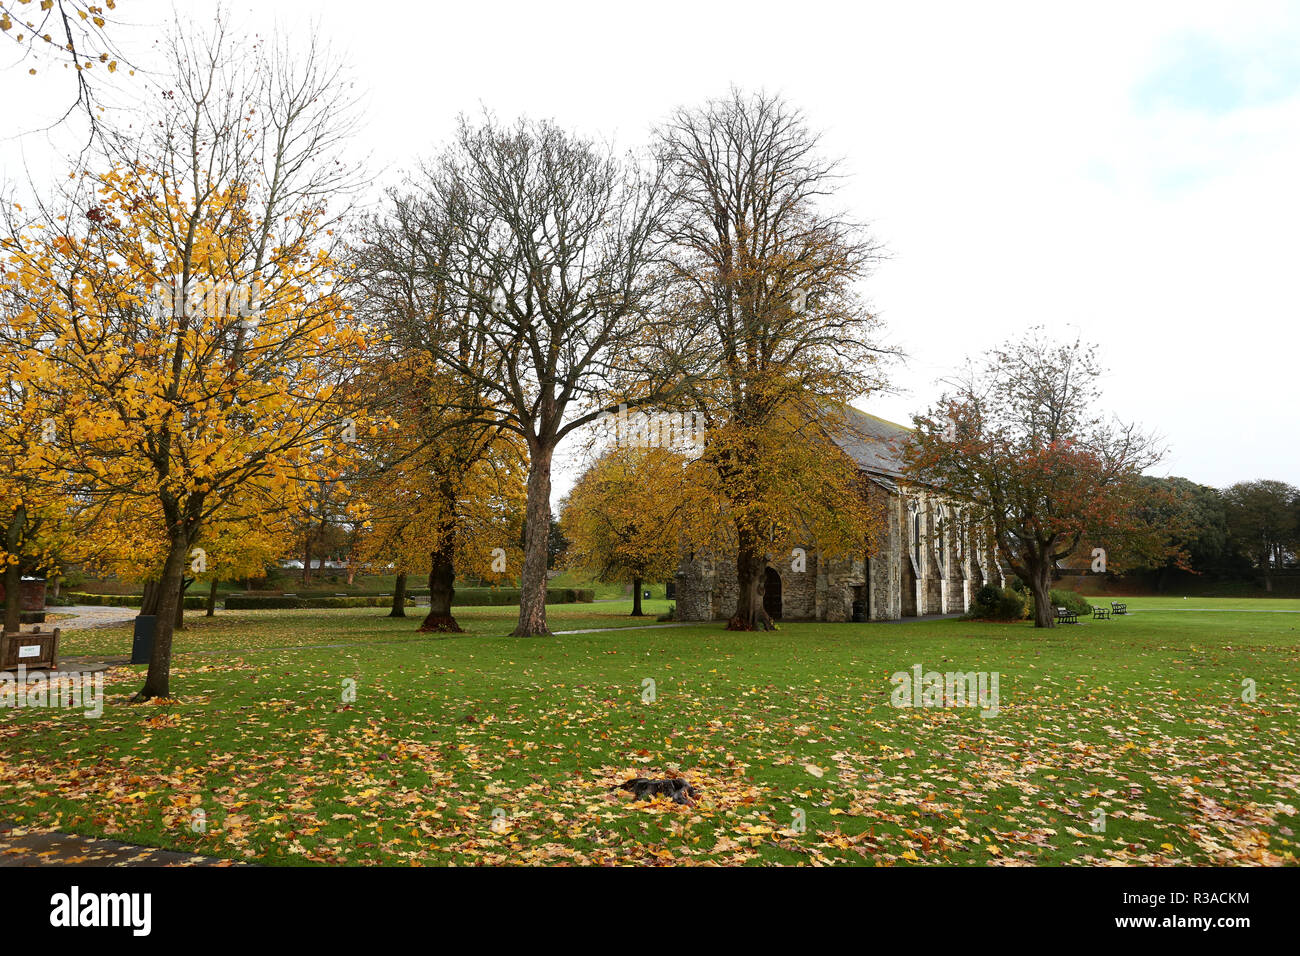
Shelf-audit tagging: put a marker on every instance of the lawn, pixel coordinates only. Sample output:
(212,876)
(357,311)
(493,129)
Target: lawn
(1123,741)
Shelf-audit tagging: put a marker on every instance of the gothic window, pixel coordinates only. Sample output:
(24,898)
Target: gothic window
(940,533)
(915,529)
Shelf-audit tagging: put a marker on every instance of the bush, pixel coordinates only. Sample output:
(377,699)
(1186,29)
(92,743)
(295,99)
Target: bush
(1062,598)
(468,597)
(192,601)
(248,602)
(987,598)
(997,604)
(670,615)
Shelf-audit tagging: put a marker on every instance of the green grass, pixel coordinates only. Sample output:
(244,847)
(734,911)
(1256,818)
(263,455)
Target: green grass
(1141,717)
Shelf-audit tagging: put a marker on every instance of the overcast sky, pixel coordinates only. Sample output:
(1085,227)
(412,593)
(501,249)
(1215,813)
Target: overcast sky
(1129,172)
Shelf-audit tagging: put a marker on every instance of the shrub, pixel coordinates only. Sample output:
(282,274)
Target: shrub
(468,597)
(1062,598)
(993,603)
(987,598)
(192,601)
(249,602)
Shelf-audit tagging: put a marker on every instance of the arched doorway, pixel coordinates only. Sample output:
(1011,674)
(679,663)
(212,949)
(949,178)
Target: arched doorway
(772,594)
(908,588)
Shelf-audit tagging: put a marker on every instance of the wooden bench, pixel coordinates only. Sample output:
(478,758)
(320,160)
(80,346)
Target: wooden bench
(30,649)
(1100,613)
(1118,608)
(1065,616)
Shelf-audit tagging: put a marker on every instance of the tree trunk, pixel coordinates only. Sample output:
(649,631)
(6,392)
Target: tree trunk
(13,573)
(751,562)
(158,681)
(399,596)
(636,598)
(212,599)
(442,588)
(306,559)
(180,602)
(1040,582)
(537,532)
(149,599)
(13,598)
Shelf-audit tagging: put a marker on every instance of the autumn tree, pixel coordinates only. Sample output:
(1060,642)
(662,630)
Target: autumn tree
(1261,518)
(443,493)
(764,273)
(623,517)
(74,33)
(39,516)
(540,244)
(182,304)
(1020,439)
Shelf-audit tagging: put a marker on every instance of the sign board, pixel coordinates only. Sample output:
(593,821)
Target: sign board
(29,650)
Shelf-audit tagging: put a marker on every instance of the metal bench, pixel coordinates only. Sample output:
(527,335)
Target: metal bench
(1065,616)
(1100,613)
(1118,608)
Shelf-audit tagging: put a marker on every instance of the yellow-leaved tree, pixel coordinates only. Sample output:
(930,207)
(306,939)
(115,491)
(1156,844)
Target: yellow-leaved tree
(624,516)
(182,306)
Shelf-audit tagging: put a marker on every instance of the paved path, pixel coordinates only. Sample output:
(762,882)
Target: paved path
(86,616)
(20,847)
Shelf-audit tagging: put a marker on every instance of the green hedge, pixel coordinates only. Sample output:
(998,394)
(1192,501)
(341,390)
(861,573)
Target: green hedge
(496,597)
(468,597)
(192,601)
(243,602)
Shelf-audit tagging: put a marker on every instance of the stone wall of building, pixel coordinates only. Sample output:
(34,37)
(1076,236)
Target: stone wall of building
(799,588)
(694,590)
(887,572)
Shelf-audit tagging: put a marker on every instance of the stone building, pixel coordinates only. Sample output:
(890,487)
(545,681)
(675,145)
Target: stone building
(928,558)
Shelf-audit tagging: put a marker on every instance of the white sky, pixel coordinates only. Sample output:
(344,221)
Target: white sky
(1127,171)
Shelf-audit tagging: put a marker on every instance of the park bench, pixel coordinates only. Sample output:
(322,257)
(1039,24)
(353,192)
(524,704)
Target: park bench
(1118,608)
(1065,616)
(29,649)
(1100,613)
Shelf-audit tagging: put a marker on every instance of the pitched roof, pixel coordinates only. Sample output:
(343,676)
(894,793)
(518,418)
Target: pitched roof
(874,443)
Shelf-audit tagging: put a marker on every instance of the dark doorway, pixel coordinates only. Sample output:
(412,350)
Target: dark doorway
(908,588)
(772,594)
(866,589)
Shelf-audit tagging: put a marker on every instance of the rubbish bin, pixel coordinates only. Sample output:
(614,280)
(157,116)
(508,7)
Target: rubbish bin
(146,625)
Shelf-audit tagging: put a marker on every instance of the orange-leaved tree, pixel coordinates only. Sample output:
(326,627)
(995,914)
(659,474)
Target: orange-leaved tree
(624,516)
(1021,440)
(444,492)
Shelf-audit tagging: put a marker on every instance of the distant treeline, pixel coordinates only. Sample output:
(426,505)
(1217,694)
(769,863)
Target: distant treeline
(1249,532)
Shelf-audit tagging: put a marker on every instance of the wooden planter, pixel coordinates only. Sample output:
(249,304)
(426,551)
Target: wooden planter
(31,649)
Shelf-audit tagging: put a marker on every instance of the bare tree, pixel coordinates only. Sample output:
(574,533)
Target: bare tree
(543,244)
